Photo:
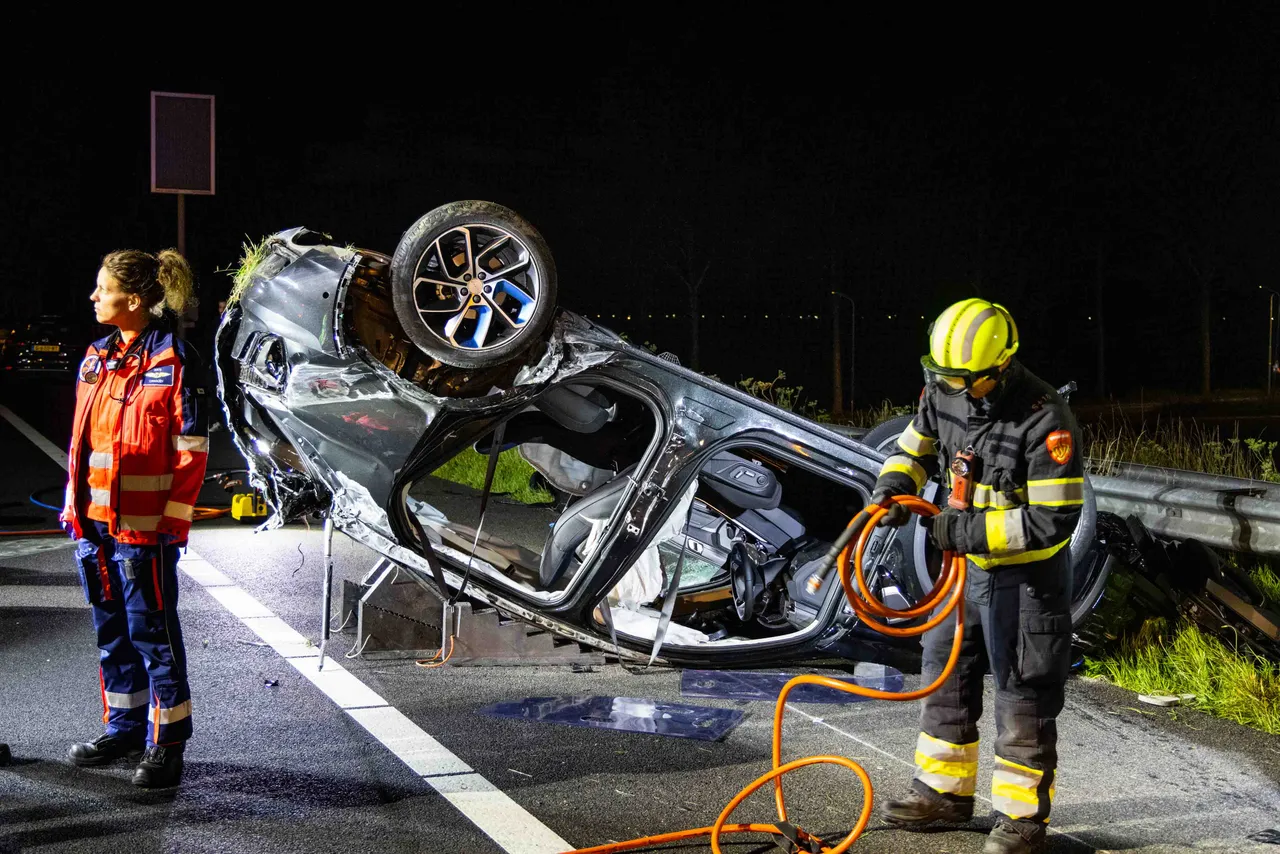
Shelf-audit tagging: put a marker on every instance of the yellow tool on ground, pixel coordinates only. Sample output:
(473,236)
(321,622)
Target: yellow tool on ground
(248,507)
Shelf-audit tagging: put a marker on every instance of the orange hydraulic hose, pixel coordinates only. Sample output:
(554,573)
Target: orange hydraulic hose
(950,583)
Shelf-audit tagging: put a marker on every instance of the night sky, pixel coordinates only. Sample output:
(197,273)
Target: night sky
(1073,167)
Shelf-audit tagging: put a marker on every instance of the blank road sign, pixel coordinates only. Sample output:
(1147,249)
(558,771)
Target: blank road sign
(182,131)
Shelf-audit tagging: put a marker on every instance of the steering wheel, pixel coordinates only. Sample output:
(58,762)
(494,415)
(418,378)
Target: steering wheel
(745,583)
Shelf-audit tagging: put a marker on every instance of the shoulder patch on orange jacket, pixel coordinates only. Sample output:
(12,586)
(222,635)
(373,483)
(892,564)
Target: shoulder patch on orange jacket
(1060,446)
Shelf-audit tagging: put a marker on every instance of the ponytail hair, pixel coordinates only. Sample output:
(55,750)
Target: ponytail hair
(174,275)
(163,280)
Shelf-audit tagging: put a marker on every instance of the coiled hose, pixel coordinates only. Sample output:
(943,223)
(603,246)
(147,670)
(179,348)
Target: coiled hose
(844,553)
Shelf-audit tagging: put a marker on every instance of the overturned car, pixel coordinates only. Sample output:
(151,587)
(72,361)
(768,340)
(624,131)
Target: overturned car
(698,513)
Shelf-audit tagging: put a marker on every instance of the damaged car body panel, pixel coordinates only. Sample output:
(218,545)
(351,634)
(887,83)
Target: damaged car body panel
(700,512)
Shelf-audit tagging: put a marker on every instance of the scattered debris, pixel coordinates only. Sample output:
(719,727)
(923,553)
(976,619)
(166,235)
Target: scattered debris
(252,643)
(624,794)
(271,683)
(1165,700)
(755,685)
(583,668)
(521,773)
(1271,837)
(625,714)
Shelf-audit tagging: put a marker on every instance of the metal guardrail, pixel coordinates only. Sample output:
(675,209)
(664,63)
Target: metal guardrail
(1236,514)
(1233,514)
(1224,512)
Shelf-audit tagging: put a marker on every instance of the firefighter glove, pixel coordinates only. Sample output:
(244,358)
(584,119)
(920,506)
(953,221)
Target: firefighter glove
(945,530)
(898,514)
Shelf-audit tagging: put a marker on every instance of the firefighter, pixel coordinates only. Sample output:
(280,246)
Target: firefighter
(136,464)
(1006,444)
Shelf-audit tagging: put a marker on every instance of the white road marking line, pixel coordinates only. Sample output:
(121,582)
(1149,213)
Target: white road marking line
(911,765)
(237,601)
(203,572)
(279,635)
(426,756)
(510,825)
(58,455)
(40,596)
(481,801)
(338,685)
(503,820)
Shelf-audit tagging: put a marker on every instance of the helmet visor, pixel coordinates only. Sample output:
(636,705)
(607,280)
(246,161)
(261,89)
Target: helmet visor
(952,381)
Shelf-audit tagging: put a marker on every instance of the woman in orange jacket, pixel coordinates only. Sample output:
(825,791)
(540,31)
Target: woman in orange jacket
(137,460)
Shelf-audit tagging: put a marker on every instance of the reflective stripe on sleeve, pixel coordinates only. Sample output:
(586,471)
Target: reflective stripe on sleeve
(1059,492)
(916,443)
(191,443)
(906,465)
(176,510)
(163,716)
(1006,531)
(135,700)
(985,496)
(144,524)
(946,767)
(146,482)
(989,561)
(1014,789)
(99,460)
(100,496)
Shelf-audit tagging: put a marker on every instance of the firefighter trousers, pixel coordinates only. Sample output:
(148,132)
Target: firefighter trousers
(133,593)
(1018,628)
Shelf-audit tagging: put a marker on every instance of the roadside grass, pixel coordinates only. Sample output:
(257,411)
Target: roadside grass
(792,398)
(1239,686)
(511,477)
(1178,445)
(789,397)
(1157,658)
(1264,575)
(873,415)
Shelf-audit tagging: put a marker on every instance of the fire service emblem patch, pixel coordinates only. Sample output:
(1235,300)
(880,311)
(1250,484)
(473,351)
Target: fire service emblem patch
(1060,447)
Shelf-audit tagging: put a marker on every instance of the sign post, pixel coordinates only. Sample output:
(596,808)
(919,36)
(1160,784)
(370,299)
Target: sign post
(182,152)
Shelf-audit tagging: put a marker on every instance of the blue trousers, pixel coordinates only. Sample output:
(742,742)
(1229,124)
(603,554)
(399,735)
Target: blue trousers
(133,593)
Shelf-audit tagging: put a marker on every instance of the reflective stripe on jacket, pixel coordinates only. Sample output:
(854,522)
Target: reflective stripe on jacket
(1030,489)
(148,444)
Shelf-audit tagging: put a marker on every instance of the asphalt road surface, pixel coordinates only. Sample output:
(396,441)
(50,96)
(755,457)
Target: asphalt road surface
(388,756)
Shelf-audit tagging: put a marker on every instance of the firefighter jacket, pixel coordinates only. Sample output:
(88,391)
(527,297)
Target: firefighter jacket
(1029,484)
(137,458)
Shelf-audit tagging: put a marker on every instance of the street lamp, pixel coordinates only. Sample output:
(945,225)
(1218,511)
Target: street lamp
(853,308)
(1271,320)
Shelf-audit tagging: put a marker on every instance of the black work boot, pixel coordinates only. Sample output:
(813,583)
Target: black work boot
(103,750)
(918,809)
(1009,837)
(161,766)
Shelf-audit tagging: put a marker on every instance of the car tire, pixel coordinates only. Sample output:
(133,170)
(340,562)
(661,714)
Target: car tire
(437,288)
(885,433)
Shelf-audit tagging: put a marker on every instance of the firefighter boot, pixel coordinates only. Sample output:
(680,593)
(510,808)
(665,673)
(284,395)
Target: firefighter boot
(918,809)
(103,750)
(1014,838)
(161,766)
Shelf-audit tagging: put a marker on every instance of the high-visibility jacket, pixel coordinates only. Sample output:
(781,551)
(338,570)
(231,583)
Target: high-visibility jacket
(1030,485)
(140,464)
